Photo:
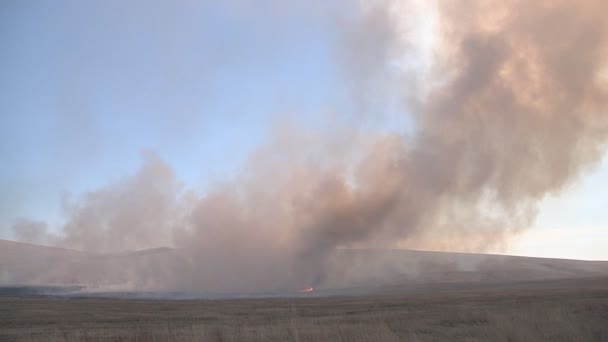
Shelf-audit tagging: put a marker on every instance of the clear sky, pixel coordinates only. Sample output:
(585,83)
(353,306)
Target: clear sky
(86,86)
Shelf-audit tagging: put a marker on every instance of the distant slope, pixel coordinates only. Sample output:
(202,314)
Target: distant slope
(367,267)
(27,264)
(22,263)
(158,269)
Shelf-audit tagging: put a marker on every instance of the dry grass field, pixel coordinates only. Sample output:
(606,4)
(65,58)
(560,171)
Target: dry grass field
(564,310)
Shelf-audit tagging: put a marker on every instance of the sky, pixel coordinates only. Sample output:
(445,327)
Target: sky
(572,224)
(87,87)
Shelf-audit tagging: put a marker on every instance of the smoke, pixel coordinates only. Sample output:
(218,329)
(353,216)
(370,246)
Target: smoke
(33,231)
(511,108)
(134,214)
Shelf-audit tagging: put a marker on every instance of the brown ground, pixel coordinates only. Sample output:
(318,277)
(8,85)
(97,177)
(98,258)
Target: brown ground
(558,310)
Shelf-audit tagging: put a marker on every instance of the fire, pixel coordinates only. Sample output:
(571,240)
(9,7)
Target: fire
(307,290)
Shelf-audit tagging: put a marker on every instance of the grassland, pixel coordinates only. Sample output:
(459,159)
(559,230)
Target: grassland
(575,310)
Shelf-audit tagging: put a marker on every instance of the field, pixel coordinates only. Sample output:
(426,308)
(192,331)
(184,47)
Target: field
(558,310)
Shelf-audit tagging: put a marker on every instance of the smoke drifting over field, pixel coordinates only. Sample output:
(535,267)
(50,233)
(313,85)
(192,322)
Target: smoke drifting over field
(510,108)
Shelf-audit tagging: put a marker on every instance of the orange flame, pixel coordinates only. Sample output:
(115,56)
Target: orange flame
(307,290)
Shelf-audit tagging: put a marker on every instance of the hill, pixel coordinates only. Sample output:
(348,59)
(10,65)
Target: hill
(347,271)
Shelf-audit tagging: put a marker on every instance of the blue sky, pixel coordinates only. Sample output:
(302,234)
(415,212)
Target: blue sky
(85,87)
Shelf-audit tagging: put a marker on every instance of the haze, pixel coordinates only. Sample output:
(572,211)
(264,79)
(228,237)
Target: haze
(265,135)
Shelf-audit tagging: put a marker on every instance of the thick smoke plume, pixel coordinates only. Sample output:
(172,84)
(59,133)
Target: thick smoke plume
(512,108)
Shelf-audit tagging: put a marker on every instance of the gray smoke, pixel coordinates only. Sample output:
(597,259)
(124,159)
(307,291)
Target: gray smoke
(134,214)
(515,109)
(33,231)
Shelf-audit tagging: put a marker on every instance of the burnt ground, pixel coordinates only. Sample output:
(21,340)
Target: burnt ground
(554,310)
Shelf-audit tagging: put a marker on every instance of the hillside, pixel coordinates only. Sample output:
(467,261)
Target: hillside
(158,269)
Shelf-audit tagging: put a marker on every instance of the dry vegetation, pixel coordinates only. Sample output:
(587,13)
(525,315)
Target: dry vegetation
(568,311)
